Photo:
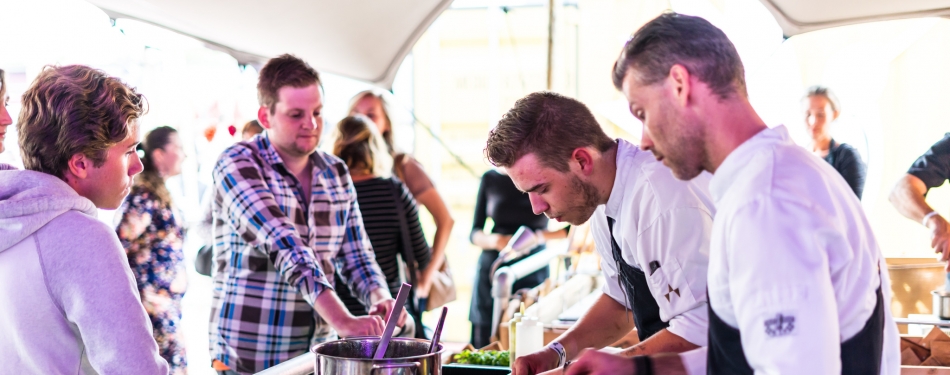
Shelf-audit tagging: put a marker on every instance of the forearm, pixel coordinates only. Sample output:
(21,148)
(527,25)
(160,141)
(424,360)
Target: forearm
(662,342)
(908,198)
(484,240)
(329,306)
(606,322)
(379,294)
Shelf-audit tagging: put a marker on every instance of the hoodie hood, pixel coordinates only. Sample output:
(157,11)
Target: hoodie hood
(29,200)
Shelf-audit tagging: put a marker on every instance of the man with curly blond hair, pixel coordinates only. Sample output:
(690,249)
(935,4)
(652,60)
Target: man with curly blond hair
(68,303)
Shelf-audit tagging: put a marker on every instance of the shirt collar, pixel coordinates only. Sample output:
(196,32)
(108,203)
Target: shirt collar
(734,163)
(626,152)
(270,155)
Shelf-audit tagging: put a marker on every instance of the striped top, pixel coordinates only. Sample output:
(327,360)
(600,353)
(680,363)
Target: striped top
(375,198)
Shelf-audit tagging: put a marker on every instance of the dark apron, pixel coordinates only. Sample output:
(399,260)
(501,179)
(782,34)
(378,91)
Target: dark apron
(860,355)
(646,313)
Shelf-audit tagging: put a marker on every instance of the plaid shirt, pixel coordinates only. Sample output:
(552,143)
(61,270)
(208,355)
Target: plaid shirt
(274,254)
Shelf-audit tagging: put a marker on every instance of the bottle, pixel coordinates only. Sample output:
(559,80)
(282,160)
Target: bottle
(512,337)
(530,335)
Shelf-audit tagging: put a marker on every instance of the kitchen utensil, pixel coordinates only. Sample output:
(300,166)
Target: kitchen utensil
(354,356)
(438,330)
(391,321)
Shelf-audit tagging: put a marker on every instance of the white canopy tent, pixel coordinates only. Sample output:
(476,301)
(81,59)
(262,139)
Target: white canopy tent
(361,39)
(801,16)
(368,39)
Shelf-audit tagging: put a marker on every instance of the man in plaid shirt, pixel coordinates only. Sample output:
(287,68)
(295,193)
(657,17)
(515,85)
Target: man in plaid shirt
(285,220)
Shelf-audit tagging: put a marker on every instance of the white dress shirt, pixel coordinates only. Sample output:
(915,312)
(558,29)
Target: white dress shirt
(661,219)
(790,238)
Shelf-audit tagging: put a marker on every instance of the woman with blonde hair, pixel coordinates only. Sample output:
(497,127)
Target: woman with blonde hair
(390,214)
(374,105)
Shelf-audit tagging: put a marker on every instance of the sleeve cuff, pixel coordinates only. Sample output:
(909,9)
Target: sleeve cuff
(692,326)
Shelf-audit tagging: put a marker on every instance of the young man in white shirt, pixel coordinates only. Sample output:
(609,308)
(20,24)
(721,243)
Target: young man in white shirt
(796,284)
(651,230)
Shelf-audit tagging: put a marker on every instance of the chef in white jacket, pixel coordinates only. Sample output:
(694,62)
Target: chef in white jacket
(797,283)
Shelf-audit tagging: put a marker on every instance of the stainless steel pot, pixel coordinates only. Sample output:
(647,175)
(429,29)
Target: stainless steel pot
(354,355)
(941,304)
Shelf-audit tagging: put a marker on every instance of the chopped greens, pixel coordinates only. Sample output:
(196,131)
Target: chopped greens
(485,358)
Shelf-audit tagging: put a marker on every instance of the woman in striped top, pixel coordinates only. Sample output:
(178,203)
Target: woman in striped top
(361,147)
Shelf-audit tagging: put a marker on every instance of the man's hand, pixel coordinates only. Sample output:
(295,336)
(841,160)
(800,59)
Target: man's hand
(502,241)
(940,237)
(382,309)
(369,325)
(535,363)
(595,362)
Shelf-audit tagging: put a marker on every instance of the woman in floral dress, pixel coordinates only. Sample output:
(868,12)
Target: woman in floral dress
(152,236)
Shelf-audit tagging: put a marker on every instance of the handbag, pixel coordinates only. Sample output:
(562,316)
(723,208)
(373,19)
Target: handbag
(443,288)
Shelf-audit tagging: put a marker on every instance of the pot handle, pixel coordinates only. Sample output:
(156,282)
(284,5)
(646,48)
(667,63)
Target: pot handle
(406,366)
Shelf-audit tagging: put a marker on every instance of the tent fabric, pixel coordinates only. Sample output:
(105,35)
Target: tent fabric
(801,16)
(361,39)
(368,39)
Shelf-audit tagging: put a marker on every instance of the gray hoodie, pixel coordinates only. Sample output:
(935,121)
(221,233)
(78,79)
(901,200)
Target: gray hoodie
(68,302)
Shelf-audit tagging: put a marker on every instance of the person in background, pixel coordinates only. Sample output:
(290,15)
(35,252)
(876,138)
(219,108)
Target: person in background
(797,283)
(151,234)
(909,195)
(68,301)
(823,110)
(509,209)
(359,144)
(5,119)
(285,221)
(373,105)
(250,129)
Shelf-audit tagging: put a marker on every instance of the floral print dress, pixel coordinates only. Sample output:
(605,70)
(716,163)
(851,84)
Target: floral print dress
(152,238)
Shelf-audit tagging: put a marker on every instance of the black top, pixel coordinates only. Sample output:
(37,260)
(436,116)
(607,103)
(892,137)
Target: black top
(375,199)
(508,207)
(933,167)
(847,161)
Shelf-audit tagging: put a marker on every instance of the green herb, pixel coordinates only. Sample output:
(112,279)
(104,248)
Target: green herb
(485,358)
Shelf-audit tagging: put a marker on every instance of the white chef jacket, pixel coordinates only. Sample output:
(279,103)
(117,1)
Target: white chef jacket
(790,238)
(659,218)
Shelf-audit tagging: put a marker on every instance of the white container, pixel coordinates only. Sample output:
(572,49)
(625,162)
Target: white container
(513,337)
(530,334)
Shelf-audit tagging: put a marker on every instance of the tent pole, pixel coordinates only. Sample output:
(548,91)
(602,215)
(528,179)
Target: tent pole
(551,20)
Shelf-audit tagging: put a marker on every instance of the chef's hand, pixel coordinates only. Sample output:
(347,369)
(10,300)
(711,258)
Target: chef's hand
(535,363)
(940,237)
(368,325)
(382,309)
(595,362)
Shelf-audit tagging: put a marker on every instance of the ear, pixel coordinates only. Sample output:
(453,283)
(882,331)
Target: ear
(584,159)
(834,115)
(680,84)
(79,166)
(262,114)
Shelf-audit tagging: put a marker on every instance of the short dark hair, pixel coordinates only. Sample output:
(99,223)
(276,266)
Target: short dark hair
(283,70)
(548,125)
(690,41)
(74,109)
(825,93)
